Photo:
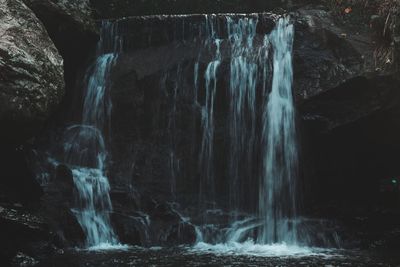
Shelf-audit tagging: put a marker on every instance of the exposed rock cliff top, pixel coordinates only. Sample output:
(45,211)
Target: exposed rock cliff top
(76,11)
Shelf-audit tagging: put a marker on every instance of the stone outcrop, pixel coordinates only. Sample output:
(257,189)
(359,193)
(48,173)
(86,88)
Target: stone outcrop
(31,79)
(70,24)
(347,90)
(65,13)
(126,8)
(71,27)
(339,75)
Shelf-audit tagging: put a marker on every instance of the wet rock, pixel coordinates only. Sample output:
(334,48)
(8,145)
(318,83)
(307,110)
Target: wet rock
(62,221)
(22,260)
(71,232)
(65,180)
(168,226)
(126,8)
(130,228)
(17,182)
(181,233)
(159,54)
(31,80)
(23,231)
(157,224)
(57,205)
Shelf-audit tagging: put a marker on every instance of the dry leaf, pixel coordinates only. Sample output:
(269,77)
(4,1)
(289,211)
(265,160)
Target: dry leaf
(348,10)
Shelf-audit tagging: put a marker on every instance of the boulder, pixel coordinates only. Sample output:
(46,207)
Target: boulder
(131,228)
(17,181)
(31,73)
(65,13)
(57,206)
(73,31)
(168,226)
(69,24)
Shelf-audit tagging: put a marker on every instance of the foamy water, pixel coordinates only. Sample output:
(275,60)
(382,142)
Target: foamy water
(251,248)
(108,247)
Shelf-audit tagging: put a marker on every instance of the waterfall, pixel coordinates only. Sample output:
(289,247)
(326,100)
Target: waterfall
(277,200)
(262,148)
(234,82)
(85,147)
(207,112)
(244,68)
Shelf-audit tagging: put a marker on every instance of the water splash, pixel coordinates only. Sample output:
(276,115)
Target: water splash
(249,247)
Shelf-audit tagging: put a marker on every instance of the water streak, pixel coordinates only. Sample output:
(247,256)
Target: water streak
(244,68)
(207,186)
(85,148)
(261,123)
(277,197)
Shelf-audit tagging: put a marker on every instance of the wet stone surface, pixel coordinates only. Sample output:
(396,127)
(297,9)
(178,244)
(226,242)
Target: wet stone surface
(187,257)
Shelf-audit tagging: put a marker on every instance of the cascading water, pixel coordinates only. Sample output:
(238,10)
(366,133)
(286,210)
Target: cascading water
(207,186)
(85,148)
(261,127)
(244,74)
(277,200)
(241,139)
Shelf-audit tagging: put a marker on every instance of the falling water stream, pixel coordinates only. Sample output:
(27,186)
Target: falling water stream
(277,200)
(207,113)
(85,149)
(261,114)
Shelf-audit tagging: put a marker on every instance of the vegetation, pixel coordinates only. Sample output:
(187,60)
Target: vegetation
(381,17)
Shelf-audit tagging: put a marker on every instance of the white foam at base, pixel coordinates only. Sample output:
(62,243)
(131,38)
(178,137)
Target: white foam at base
(251,248)
(108,246)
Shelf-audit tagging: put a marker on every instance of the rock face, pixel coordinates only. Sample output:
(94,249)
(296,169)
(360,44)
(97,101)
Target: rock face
(339,75)
(25,233)
(73,31)
(346,86)
(76,12)
(31,79)
(69,24)
(155,129)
